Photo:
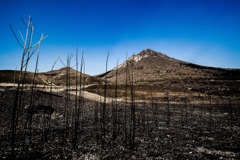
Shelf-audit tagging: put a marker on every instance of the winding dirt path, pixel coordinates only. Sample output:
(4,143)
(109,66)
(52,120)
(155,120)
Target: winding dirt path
(94,96)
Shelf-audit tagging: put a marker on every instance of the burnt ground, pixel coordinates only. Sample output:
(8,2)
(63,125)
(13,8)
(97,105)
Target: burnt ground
(174,131)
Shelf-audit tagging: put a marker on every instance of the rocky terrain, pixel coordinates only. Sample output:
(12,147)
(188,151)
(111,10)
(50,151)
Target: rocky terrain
(153,67)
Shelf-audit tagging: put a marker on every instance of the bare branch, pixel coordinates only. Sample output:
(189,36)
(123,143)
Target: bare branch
(25,22)
(55,62)
(41,39)
(21,35)
(62,62)
(16,36)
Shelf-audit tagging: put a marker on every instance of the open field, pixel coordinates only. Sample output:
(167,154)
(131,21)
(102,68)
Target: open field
(162,130)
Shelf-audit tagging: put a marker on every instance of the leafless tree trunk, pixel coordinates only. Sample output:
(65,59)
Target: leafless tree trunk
(96,117)
(133,116)
(75,120)
(115,107)
(80,98)
(126,103)
(28,51)
(67,109)
(103,120)
(29,116)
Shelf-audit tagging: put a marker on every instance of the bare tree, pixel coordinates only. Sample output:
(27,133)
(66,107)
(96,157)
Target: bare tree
(80,97)
(29,116)
(115,107)
(67,109)
(28,51)
(126,102)
(78,101)
(132,113)
(74,121)
(103,120)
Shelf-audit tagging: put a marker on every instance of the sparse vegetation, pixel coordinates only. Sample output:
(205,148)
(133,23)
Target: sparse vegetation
(150,107)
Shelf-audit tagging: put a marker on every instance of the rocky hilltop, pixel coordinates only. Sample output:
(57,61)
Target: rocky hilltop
(156,71)
(150,66)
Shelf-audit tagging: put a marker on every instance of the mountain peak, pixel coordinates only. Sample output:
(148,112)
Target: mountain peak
(148,53)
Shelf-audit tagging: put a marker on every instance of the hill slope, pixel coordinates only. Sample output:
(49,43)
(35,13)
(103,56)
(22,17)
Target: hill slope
(56,77)
(156,69)
(151,66)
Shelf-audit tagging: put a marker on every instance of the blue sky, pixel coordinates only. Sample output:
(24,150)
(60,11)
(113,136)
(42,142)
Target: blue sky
(205,32)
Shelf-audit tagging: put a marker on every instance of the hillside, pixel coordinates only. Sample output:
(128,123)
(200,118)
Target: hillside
(151,66)
(155,72)
(59,76)
(56,77)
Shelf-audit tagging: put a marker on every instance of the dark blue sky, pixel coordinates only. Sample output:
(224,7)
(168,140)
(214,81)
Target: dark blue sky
(205,32)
